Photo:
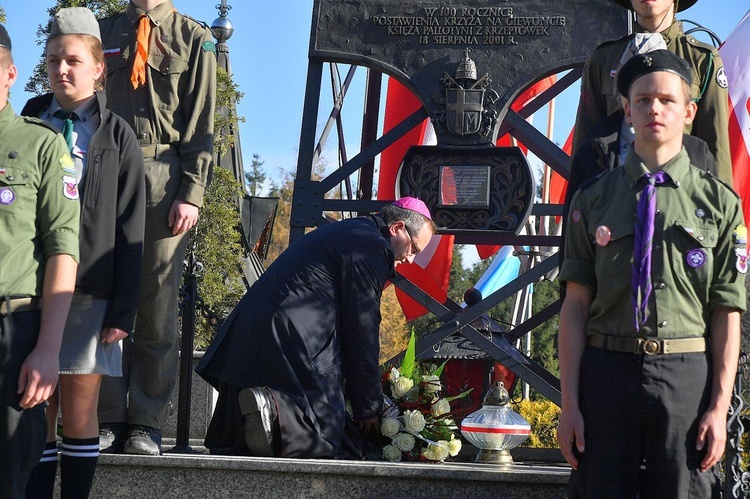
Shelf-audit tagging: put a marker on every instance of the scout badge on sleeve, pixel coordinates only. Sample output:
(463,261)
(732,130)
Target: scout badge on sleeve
(70,187)
(739,238)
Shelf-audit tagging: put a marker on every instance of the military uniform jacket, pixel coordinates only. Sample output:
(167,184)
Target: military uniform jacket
(310,325)
(176,104)
(599,97)
(39,210)
(699,250)
(113,210)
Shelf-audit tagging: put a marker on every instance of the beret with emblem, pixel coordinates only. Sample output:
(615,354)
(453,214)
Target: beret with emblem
(4,38)
(651,62)
(682,5)
(75,21)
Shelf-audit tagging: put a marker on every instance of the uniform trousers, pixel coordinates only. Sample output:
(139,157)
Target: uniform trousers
(150,361)
(22,432)
(641,415)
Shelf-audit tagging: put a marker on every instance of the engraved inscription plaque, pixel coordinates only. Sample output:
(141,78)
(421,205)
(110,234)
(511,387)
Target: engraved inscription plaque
(512,42)
(465,185)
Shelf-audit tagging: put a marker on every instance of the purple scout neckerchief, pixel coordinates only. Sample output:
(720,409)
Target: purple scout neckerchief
(644,236)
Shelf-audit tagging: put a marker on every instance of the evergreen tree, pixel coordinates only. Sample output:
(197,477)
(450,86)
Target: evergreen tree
(256,176)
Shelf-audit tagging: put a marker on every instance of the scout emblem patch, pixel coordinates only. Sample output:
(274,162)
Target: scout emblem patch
(7,195)
(603,235)
(696,258)
(741,254)
(208,47)
(67,165)
(70,187)
(739,234)
(721,78)
(576,216)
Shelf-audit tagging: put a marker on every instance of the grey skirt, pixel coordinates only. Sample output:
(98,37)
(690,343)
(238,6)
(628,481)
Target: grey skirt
(82,351)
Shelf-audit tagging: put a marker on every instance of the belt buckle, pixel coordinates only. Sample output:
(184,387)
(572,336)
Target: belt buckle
(651,346)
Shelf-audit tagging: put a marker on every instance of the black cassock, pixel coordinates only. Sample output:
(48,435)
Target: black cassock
(306,329)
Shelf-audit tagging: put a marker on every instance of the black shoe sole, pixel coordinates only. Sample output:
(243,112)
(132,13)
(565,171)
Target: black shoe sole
(255,435)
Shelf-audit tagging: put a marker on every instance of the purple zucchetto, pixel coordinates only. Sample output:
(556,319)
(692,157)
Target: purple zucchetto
(413,204)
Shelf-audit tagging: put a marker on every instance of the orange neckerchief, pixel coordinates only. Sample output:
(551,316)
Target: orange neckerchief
(138,76)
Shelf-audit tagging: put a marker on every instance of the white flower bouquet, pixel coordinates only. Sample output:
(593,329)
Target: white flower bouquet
(418,418)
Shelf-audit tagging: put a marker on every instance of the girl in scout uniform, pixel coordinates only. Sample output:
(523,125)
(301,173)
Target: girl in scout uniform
(108,182)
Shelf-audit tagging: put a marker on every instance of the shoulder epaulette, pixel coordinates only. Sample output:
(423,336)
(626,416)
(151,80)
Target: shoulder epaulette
(203,24)
(708,174)
(591,181)
(699,44)
(39,121)
(611,42)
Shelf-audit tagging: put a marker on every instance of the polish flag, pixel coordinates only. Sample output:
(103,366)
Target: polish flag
(736,58)
(431,268)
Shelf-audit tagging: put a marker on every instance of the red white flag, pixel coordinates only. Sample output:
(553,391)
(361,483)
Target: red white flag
(431,268)
(736,58)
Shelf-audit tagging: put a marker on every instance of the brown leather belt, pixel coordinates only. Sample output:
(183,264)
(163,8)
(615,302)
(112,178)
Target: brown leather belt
(156,151)
(9,305)
(647,346)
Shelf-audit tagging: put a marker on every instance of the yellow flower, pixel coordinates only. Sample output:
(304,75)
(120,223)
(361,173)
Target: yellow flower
(454,446)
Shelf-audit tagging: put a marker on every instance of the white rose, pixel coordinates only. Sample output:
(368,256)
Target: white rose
(389,427)
(394,374)
(414,421)
(403,441)
(454,446)
(439,449)
(391,453)
(400,386)
(431,383)
(440,407)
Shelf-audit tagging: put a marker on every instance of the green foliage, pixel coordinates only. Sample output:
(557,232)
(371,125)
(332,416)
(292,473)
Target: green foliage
(217,246)
(226,121)
(38,82)
(543,416)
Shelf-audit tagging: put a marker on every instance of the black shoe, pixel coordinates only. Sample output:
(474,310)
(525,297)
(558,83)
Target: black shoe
(258,408)
(112,437)
(143,440)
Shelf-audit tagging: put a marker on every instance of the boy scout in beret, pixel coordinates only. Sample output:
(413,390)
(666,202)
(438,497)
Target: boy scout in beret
(655,263)
(162,79)
(39,217)
(656,26)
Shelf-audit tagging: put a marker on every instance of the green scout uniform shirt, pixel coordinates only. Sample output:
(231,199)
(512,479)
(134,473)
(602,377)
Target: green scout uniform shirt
(39,210)
(599,96)
(176,104)
(694,211)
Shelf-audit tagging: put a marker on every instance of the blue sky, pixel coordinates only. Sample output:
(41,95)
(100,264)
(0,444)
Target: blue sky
(269,61)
